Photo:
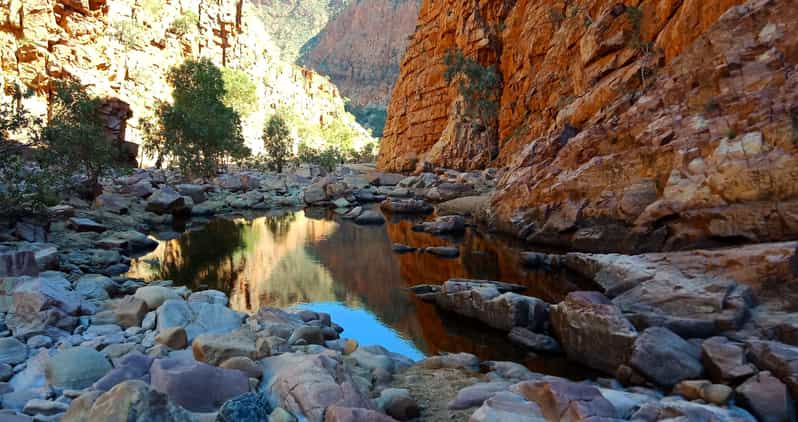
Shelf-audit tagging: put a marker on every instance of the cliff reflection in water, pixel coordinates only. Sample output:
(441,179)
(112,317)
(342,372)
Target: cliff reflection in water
(323,262)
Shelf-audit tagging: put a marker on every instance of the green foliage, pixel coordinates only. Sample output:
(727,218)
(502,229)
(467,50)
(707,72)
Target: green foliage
(153,134)
(25,190)
(371,117)
(731,133)
(198,128)
(328,158)
(14,118)
(183,24)
(129,33)
(240,93)
(305,19)
(152,7)
(277,143)
(635,16)
(479,85)
(75,140)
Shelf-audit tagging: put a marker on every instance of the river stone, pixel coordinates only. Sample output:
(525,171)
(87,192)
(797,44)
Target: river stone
(724,360)
(130,311)
(94,287)
(665,358)
(307,384)
(209,296)
(556,397)
(376,357)
(86,225)
(593,331)
(76,368)
(465,361)
(370,217)
(154,296)
(475,395)
(245,365)
(443,251)
(215,348)
(315,193)
(43,305)
(197,317)
(406,206)
(533,341)
(778,358)
(508,407)
(398,404)
(135,401)
(166,201)
(80,407)
(353,414)
(12,351)
(249,407)
(38,342)
(111,202)
(767,398)
(195,192)
(44,407)
(173,338)
(307,335)
(133,366)
(448,224)
(186,382)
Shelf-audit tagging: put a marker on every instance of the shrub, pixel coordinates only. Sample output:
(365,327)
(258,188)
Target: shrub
(152,7)
(183,24)
(75,140)
(277,143)
(198,128)
(370,116)
(129,33)
(25,189)
(328,158)
(479,85)
(240,93)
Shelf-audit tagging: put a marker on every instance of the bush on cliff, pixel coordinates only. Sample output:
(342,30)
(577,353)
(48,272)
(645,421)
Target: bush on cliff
(199,130)
(75,140)
(277,142)
(479,85)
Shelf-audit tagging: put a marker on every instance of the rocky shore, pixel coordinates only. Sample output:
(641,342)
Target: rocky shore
(693,335)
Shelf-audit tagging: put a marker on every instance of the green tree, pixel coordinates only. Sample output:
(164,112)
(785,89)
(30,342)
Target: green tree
(198,128)
(75,140)
(277,142)
(240,93)
(479,85)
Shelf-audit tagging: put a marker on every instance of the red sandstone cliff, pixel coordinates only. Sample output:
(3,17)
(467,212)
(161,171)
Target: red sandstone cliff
(360,49)
(658,124)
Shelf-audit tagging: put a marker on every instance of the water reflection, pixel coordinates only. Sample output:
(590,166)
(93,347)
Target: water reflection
(320,262)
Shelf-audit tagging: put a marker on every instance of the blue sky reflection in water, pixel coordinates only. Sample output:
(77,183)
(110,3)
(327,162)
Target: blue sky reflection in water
(315,259)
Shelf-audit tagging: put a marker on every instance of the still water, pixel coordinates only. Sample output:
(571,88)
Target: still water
(315,260)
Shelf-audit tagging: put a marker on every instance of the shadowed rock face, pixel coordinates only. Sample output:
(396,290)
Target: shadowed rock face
(609,146)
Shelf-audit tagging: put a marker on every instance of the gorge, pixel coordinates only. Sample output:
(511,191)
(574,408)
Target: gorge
(398,210)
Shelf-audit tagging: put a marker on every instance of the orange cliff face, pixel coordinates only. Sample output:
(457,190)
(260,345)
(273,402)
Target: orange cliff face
(670,124)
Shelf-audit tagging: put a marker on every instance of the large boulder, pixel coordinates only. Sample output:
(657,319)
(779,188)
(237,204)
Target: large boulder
(133,366)
(166,201)
(565,400)
(665,358)
(197,317)
(197,386)
(780,359)
(130,311)
(27,259)
(94,288)
(44,305)
(593,331)
(217,348)
(154,296)
(725,361)
(310,383)
(134,401)
(12,351)
(315,193)
(76,368)
(197,193)
(486,302)
(767,398)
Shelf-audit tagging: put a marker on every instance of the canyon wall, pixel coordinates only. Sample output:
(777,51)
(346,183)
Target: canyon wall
(122,50)
(645,126)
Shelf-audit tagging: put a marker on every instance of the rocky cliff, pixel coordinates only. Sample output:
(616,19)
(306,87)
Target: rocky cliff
(122,50)
(361,48)
(636,126)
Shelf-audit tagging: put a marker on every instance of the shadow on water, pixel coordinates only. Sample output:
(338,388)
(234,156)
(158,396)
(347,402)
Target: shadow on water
(315,260)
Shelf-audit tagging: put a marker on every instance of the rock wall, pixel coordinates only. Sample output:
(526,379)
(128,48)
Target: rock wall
(655,125)
(360,49)
(122,50)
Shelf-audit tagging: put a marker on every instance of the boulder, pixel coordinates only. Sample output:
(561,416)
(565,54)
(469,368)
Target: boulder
(508,407)
(154,296)
(665,358)
(245,365)
(725,361)
(307,335)
(217,348)
(406,206)
(173,338)
(43,305)
(135,401)
(112,202)
(94,288)
(166,201)
(195,192)
(466,205)
(443,251)
(449,224)
(593,331)
(249,407)
(315,193)
(133,366)
(475,395)
(533,341)
(130,311)
(17,261)
(86,225)
(565,400)
(379,358)
(781,360)
(30,231)
(370,217)
(353,414)
(12,351)
(76,368)
(307,384)
(209,296)
(672,408)
(197,386)
(767,398)
(398,404)
(197,317)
